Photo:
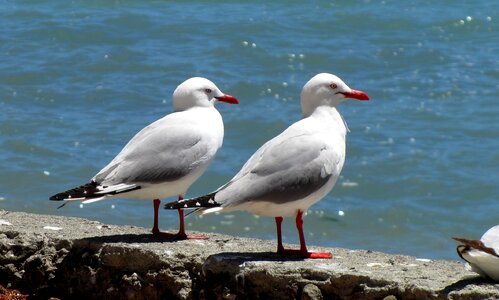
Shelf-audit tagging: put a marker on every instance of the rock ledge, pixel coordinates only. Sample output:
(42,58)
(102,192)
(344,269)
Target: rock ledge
(53,256)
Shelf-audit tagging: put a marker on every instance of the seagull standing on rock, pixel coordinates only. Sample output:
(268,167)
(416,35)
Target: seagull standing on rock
(482,256)
(295,169)
(166,157)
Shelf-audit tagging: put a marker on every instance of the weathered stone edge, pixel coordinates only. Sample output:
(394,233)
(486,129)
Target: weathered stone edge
(53,256)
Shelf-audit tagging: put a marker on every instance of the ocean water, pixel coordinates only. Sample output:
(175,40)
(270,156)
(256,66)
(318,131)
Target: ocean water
(79,78)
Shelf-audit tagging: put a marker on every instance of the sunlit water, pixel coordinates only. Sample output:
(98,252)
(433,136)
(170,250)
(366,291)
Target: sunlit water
(78,79)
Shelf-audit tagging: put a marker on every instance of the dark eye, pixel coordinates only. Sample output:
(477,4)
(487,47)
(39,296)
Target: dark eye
(208,91)
(333,86)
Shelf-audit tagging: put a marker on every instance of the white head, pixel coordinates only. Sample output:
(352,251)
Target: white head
(491,238)
(198,91)
(326,89)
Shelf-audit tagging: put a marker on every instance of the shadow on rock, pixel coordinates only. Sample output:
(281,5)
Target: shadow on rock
(129,238)
(472,280)
(242,257)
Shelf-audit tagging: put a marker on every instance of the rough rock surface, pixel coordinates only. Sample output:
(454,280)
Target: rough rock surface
(68,258)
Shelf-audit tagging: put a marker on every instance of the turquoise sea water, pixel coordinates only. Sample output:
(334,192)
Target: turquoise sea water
(79,78)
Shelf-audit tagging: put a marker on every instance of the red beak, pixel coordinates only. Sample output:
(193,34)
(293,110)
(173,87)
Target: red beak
(354,94)
(228,98)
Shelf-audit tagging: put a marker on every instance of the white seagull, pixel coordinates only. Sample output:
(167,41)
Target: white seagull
(165,157)
(482,256)
(295,169)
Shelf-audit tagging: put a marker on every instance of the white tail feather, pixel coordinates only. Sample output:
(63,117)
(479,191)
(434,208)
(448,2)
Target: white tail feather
(210,210)
(74,199)
(92,200)
(115,188)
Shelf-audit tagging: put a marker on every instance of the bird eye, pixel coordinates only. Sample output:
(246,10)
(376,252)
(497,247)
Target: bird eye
(208,91)
(333,86)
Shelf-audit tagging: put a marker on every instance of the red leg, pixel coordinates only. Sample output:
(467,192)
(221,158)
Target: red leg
(280,247)
(181,233)
(181,229)
(303,247)
(155,227)
(299,226)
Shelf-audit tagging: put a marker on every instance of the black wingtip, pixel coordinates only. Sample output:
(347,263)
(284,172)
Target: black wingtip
(199,202)
(83,191)
(58,197)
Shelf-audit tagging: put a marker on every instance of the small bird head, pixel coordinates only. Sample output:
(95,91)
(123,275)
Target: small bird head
(198,91)
(326,89)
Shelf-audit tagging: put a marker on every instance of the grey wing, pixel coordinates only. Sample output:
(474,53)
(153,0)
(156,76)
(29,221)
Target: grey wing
(158,153)
(283,170)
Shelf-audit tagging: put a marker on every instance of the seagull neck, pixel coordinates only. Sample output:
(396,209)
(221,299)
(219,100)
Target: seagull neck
(194,108)
(329,115)
(325,111)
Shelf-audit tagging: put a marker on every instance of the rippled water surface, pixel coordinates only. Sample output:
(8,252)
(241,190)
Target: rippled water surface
(79,78)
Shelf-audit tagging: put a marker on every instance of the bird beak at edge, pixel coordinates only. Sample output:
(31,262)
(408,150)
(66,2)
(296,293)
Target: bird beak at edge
(354,94)
(227,98)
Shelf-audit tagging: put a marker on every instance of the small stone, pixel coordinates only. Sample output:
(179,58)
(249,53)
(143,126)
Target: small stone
(311,292)
(390,297)
(7,223)
(55,228)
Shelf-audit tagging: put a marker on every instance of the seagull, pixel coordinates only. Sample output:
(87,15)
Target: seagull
(482,256)
(165,157)
(293,170)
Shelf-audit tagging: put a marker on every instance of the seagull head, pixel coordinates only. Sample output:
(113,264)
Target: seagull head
(326,89)
(198,91)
